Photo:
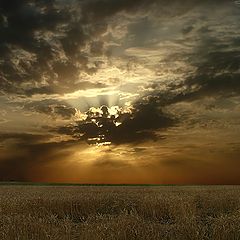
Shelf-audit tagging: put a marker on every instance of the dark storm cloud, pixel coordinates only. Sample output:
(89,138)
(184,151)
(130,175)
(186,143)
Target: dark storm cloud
(51,34)
(218,74)
(136,127)
(74,23)
(21,20)
(216,58)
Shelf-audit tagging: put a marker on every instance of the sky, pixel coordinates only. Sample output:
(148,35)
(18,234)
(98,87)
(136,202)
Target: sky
(120,91)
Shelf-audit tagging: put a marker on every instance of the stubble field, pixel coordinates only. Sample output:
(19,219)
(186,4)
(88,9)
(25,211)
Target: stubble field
(119,212)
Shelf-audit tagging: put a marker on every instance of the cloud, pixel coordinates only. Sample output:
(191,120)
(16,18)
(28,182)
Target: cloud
(218,73)
(52,108)
(23,138)
(42,42)
(114,72)
(27,152)
(102,127)
(46,45)
(111,163)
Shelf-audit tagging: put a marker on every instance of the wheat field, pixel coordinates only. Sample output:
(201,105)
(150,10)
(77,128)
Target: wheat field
(119,212)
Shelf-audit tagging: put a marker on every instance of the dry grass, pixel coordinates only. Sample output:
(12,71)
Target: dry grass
(95,212)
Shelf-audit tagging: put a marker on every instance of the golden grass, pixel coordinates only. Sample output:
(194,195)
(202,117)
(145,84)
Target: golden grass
(109,212)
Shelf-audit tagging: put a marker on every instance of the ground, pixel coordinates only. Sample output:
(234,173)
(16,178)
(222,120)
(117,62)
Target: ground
(119,212)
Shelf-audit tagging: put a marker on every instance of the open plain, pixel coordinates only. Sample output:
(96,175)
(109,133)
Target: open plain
(119,212)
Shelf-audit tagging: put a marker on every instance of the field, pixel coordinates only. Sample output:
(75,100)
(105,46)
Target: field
(119,212)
